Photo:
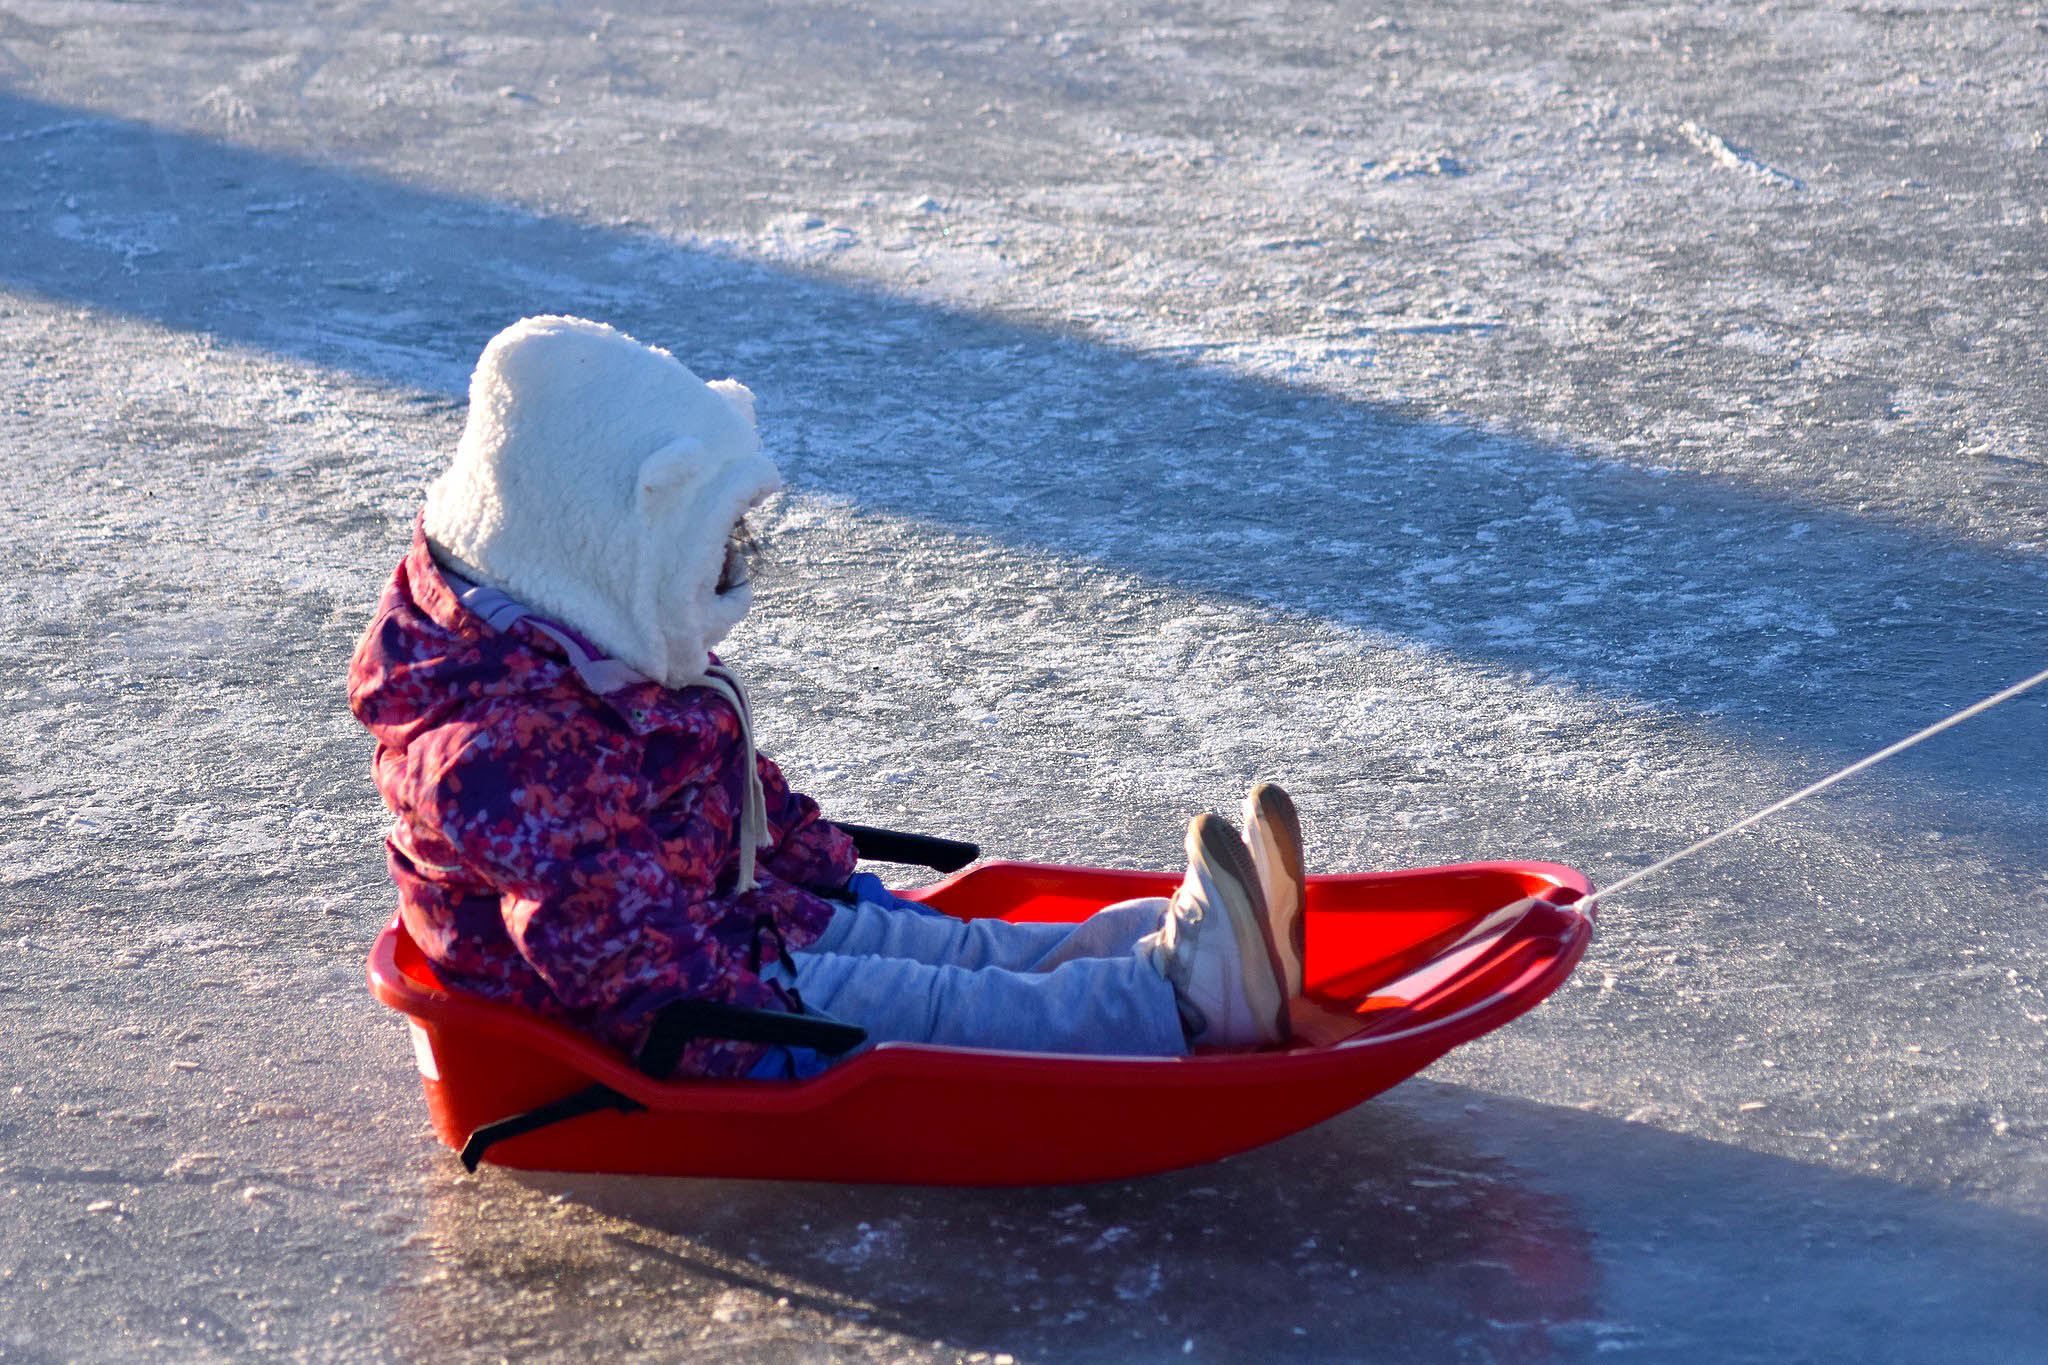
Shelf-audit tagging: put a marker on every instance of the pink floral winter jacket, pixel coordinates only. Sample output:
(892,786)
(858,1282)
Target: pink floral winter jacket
(573,852)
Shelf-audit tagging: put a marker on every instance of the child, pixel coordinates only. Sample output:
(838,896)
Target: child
(584,827)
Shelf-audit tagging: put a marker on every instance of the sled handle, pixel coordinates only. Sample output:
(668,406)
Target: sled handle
(918,850)
(591,1099)
(682,1021)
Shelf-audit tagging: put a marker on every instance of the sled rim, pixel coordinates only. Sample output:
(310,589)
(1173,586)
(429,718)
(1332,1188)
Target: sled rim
(423,1003)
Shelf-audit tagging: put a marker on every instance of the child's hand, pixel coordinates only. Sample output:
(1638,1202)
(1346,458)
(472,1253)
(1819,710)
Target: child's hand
(866,886)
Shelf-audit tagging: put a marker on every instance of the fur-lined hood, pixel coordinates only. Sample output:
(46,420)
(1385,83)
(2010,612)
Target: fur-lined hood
(596,481)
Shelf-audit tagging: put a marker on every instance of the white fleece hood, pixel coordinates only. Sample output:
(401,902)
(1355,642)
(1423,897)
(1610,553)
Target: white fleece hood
(597,481)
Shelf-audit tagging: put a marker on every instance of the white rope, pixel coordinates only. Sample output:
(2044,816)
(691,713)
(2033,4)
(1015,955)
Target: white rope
(1830,780)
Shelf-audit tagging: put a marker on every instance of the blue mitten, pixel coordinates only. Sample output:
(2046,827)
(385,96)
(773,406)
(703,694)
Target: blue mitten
(867,887)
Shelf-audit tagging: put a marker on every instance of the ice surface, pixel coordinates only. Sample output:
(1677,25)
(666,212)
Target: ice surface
(1526,431)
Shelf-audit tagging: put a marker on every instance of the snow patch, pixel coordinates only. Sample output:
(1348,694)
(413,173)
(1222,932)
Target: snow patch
(1728,156)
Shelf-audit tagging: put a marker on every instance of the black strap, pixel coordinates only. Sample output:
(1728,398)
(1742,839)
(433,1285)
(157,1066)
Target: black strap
(591,1099)
(918,850)
(682,1021)
(675,1024)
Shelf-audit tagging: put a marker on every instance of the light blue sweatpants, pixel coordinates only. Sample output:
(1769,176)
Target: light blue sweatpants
(907,976)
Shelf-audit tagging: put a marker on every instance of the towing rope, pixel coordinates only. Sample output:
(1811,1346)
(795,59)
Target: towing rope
(1830,780)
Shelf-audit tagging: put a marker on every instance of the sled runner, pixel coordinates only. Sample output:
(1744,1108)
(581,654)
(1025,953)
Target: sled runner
(1402,967)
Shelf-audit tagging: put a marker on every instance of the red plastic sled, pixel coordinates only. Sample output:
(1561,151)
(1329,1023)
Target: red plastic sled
(1389,990)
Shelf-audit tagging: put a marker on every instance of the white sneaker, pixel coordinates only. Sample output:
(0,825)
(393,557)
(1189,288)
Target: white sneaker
(1216,947)
(1272,831)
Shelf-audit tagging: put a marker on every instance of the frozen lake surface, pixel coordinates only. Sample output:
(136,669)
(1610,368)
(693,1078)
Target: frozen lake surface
(1525,434)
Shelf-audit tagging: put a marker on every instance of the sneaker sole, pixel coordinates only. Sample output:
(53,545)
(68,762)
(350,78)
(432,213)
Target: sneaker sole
(1222,849)
(1272,808)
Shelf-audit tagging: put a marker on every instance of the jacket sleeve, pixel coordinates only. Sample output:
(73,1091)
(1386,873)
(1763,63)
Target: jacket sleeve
(809,851)
(553,811)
